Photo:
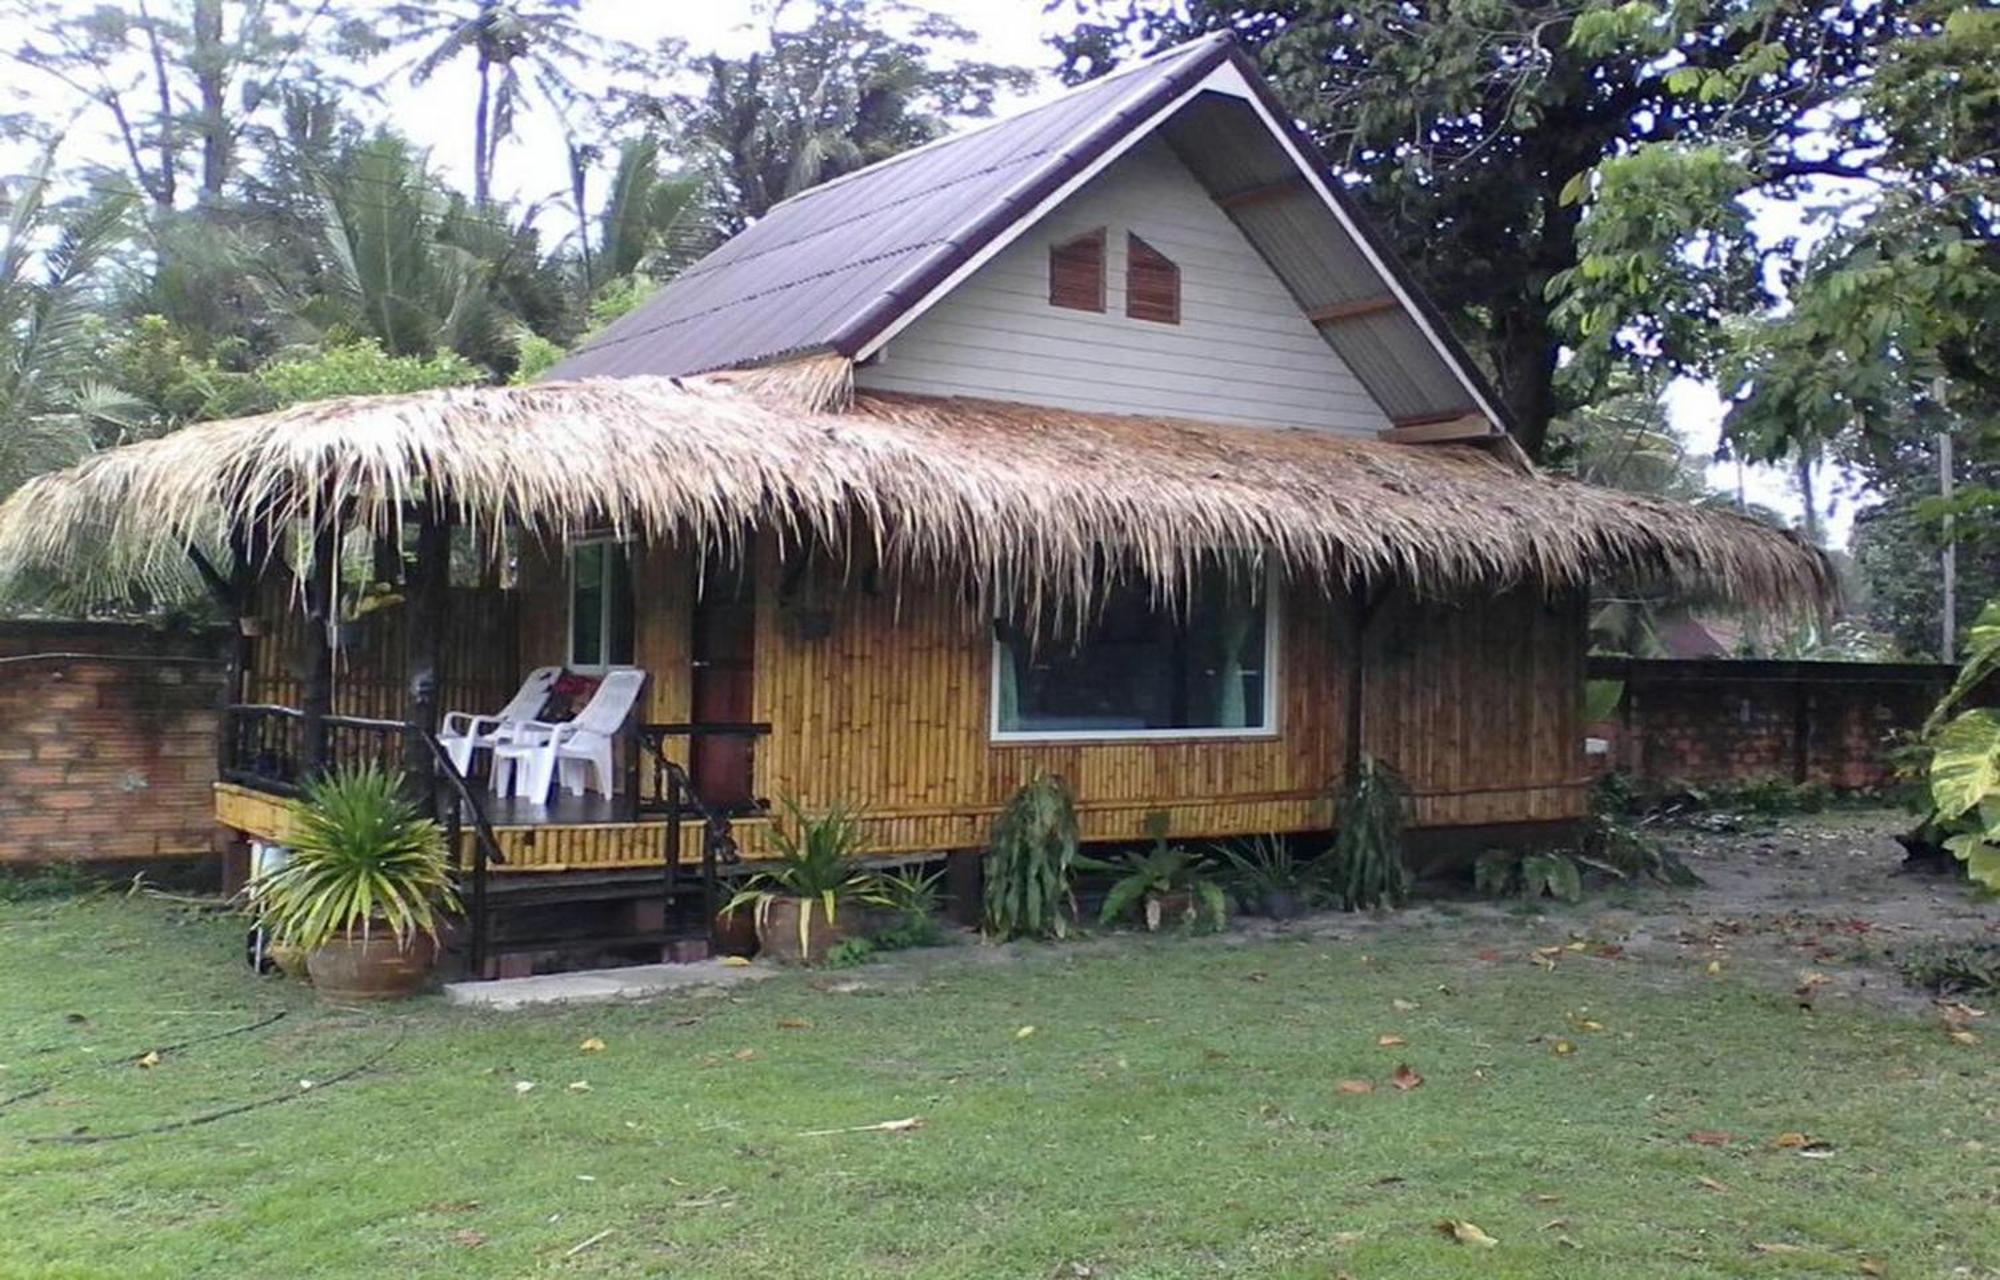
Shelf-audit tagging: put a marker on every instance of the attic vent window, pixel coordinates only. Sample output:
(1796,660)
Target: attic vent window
(1152,283)
(1076,273)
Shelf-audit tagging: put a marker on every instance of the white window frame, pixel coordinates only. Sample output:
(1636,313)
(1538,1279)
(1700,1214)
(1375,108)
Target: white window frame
(604,609)
(1273,629)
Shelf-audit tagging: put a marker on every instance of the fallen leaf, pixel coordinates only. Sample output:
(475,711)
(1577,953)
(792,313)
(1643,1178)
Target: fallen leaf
(1547,962)
(1548,951)
(1790,1140)
(1489,955)
(150,1060)
(1761,1247)
(1563,1048)
(744,1055)
(1710,1138)
(885,1126)
(1585,1024)
(522,1086)
(579,1086)
(1403,1006)
(795,1024)
(1578,945)
(1024,1032)
(1357,1086)
(1389,1041)
(1543,1197)
(1817,1151)
(735,962)
(1714,968)
(1609,951)
(1962,1036)
(1257,976)
(1466,1232)
(1712,1184)
(1404,1078)
(467,1239)
(592,1045)
(1567,1243)
(1872,1267)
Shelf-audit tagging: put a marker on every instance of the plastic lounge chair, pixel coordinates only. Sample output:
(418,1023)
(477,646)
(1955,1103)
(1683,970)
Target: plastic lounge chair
(463,734)
(581,748)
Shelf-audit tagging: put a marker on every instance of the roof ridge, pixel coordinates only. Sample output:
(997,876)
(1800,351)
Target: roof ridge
(1200,43)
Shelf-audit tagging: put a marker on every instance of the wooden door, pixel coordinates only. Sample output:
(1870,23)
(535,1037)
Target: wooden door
(720,688)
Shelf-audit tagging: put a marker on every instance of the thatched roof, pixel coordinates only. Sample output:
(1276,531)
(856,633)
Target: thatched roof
(1028,501)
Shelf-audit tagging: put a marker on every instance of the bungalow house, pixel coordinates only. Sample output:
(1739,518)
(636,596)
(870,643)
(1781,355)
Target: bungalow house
(1102,440)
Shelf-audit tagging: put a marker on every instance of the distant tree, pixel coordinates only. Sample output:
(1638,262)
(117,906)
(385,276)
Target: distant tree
(184,88)
(819,100)
(523,54)
(1467,127)
(655,220)
(1897,545)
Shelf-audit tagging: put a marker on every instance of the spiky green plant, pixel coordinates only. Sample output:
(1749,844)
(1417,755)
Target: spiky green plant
(1365,868)
(815,864)
(1262,866)
(1028,867)
(1144,879)
(363,859)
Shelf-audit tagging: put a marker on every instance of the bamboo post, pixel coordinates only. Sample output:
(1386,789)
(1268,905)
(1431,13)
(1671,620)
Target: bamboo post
(322,590)
(428,587)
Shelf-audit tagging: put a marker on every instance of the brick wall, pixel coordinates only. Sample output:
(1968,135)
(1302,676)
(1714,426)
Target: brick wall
(107,742)
(1711,720)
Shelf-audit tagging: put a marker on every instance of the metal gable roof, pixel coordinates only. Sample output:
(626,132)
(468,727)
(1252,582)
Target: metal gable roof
(840,266)
(822,267)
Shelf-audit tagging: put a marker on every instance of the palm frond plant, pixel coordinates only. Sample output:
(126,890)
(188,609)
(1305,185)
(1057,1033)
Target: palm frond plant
(1030,859)
(364,887)
(1166,881)
(814,872)
(913,897)
(1365,868)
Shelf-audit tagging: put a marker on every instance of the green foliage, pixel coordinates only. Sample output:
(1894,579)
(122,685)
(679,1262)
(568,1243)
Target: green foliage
(1965,759)
(914,896)
(846,953)
(359,368)
(43,883)
(1365,868)
(1970,968)
(1545,873)
(815,863)
(362,859)
(1263,870)
(1029,863)
(1146,878)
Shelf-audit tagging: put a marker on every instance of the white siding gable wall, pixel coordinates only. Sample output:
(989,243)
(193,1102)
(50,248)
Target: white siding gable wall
(1243,351)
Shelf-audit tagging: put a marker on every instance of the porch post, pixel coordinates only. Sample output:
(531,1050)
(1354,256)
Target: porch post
(1362,603)
(321,588)
(427,589)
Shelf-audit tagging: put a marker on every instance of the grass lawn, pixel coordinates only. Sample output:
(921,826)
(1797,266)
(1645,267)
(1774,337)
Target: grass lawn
(1176,1110)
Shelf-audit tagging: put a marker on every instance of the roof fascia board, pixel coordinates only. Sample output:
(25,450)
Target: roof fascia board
(869,333)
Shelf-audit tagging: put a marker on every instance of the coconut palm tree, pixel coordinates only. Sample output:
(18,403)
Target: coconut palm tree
(522,49)
(52,406)
(654,221)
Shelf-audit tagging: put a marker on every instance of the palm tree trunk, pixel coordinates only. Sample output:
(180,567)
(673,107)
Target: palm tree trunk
(482,175)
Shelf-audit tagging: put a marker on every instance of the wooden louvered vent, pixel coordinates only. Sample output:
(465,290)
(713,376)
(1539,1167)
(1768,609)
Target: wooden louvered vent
(1152,283)
(1076,273)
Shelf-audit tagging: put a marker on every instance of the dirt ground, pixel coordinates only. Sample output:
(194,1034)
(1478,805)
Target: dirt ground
(1817,904)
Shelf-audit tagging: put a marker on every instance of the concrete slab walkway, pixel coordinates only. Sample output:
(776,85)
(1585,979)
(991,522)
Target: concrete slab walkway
(595,986)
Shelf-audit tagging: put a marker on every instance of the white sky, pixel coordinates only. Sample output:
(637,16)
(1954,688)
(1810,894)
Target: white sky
(1012,31)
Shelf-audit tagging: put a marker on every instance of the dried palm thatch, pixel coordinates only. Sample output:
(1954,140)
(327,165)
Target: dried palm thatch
(1037,506)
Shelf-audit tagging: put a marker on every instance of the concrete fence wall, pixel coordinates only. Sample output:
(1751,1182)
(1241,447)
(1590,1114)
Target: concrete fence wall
(107,742)
(1711,720)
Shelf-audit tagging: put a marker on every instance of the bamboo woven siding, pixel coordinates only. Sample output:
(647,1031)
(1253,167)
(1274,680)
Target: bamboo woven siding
(482,664)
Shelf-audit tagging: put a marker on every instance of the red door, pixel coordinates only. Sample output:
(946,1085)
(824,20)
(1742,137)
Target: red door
(725,627)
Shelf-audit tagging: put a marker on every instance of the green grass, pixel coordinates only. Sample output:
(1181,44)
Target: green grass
(1174,1113)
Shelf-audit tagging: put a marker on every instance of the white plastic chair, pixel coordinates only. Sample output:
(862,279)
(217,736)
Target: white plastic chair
(581,748)
(462,733)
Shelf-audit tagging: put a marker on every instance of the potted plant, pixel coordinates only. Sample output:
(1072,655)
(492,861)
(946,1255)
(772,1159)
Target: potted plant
(1266,879)
(363,889)
(1168,882)
(797,897)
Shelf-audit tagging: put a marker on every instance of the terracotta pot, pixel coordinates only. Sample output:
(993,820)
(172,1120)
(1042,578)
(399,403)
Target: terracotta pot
(734,933)
(349,968)
(1164,910)
(778,930)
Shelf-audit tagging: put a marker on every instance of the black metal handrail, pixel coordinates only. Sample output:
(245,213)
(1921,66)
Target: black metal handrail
(652,740)
(718,840)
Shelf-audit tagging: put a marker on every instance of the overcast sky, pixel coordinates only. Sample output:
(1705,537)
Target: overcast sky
(1013,31)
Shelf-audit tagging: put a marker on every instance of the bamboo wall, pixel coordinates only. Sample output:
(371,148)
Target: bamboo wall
(1476,703)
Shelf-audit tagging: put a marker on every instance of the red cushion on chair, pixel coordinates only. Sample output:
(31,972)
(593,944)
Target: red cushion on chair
(568,696)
